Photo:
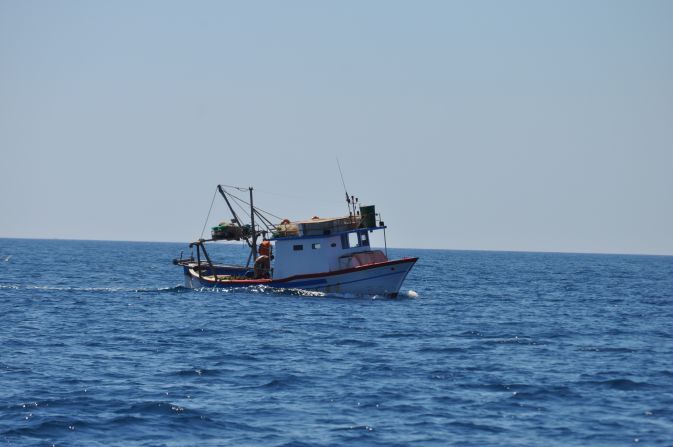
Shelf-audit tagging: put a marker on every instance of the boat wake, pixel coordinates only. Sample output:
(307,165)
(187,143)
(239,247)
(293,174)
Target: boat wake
(277,291)
(255,290)
(178,289)
(261,289)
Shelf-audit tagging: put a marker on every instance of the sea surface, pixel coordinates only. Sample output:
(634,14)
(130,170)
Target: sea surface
(100,345)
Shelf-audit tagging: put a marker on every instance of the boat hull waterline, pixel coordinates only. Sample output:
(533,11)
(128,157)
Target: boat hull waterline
(383,278)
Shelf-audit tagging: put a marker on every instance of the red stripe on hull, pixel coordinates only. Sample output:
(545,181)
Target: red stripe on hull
(252,282)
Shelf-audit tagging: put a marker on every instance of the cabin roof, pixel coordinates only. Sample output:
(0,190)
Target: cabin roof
(321,220)
(322,236)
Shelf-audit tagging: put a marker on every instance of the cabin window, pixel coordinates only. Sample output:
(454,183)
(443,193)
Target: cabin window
(333,244)
(344,241)
(297,247)
(353,240)
(315,246)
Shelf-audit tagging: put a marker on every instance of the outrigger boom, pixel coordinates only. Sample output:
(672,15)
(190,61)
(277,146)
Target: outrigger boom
(331,255)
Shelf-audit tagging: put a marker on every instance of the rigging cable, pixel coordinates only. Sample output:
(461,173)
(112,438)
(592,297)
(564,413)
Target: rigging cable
(256,207)
(348,200)
(266,212)
(262,214)
(267,223)
(230,195)
(293,196)
(235,187)
(263,219)
(236,200)
(208,217)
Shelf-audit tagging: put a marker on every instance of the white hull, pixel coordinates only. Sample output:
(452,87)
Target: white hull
(384,278)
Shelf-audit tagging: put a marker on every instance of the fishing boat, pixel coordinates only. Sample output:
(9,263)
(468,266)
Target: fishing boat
(329,255)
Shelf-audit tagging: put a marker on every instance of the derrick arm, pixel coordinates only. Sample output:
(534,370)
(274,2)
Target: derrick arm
(233,213)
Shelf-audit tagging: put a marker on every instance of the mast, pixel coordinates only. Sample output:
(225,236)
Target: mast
(348,200)
(252,223)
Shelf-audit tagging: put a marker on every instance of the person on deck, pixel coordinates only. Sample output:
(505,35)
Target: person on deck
(262,265)
(265,249)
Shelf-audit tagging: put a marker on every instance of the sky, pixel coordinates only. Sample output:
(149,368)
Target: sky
(479,125)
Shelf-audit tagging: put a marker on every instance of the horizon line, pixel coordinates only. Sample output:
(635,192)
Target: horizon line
(395,248)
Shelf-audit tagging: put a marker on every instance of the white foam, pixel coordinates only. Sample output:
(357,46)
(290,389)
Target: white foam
(412,294)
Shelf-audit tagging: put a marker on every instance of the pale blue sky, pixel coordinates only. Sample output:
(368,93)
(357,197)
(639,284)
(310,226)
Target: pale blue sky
(520,125)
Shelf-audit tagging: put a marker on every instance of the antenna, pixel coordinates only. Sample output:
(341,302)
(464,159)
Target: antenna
(348,199)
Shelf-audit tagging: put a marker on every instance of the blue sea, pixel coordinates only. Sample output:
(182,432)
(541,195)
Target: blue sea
(100,345)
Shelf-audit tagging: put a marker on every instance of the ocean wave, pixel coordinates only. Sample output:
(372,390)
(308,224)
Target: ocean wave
(361,427)
(7,368)
(53,426)
(197,372)
(442,350)
(473,426)
(50,288)
(282,291)
(401,334)
(253,289)
(155,407)
(163,364)
(544,393)
(277,382)
(618,384)
(607,349)
(355,342)
(258,290)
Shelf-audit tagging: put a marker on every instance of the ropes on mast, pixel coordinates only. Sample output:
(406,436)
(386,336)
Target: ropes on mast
(208,216)
(264,216)
(256,208)
(348,198)
(236,200)
(240,188)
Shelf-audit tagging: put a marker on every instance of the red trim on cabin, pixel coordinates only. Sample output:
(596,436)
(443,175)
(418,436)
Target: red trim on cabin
(310,275)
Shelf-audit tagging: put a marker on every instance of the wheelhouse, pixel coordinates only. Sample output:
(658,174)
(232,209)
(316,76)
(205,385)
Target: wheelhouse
(301,254)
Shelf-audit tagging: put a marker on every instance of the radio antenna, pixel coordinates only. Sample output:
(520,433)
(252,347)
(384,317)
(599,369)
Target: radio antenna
(348,198)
